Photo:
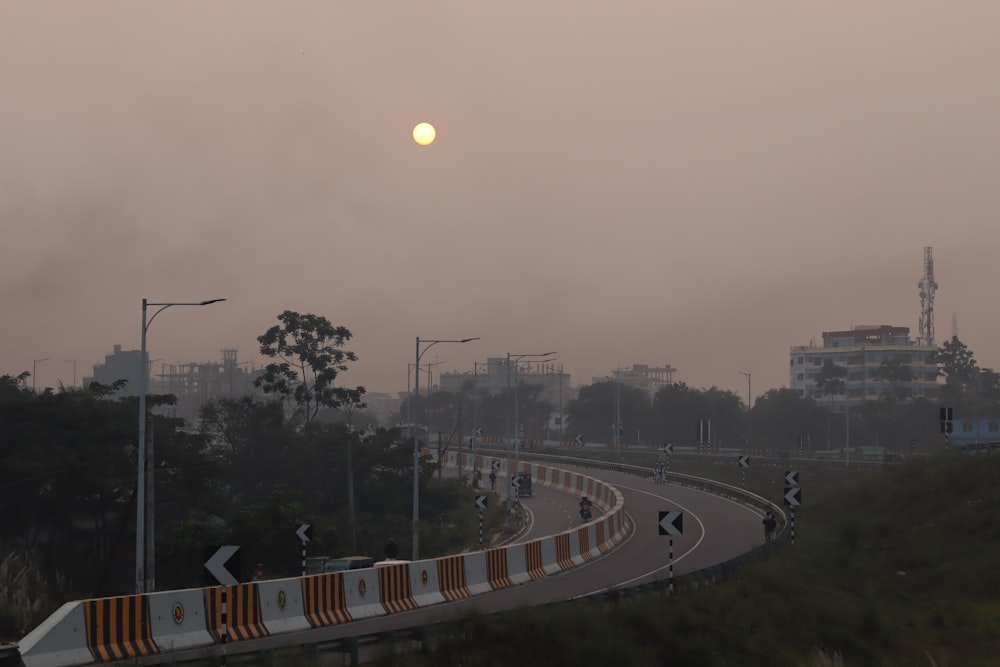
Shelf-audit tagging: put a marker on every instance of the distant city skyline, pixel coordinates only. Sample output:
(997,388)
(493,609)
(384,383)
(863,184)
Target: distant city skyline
(702,185)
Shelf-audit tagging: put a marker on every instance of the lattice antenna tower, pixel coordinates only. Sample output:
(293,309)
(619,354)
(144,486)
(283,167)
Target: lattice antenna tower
(927,287)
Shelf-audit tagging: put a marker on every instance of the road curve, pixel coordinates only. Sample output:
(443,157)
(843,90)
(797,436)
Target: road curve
(715,530)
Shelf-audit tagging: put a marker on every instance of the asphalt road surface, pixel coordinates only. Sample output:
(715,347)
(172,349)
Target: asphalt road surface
(715,529)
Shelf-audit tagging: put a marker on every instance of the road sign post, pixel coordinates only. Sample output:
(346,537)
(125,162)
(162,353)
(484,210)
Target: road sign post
(481,504)
(222,564)
(744,462)
(304,533)
(671,523)
(793,498)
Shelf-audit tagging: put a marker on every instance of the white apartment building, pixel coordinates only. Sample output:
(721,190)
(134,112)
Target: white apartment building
(861,351)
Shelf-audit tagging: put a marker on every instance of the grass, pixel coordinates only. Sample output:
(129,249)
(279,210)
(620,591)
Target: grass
(892,567)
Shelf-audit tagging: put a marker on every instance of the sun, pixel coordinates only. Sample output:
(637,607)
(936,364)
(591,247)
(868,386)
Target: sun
(424,134)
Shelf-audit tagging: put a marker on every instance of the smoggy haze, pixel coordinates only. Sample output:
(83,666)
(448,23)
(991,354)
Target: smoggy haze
(696,184)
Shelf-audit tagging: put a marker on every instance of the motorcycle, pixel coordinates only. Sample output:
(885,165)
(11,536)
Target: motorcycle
(585,512)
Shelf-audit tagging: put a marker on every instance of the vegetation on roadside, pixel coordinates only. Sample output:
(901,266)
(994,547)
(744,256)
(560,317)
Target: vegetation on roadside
(252,471)
(895,568)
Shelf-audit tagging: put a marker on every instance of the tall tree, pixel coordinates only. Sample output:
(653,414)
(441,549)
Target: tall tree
(310,356)
(962,381)
(831,382)
(831,379)
(895,373)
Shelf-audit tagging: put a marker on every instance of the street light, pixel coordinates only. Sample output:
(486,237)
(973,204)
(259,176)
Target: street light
(430,376)
(416,433)
(618,411)
(409,372)
(34,371)
(749,395)
(517,440)
(145,558)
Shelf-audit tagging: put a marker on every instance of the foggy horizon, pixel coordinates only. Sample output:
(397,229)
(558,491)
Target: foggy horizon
(703,187)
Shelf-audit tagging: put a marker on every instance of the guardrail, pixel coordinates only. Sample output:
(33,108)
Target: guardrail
(136,629)
(713,574)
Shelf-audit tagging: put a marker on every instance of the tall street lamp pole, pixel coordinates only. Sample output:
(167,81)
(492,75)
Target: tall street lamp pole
(513,429)
(145,556)
(416,433)
(34,371)
(749,394)
(618,412)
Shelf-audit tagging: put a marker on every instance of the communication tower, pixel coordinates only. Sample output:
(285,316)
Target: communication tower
(927,287)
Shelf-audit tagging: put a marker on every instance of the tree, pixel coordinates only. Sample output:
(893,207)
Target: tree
(956,364)
(311,356)
(831,382)
(895,373)
(967,387)
(831,379)
(784,420)
(13,385)
(592,413)
(250,441)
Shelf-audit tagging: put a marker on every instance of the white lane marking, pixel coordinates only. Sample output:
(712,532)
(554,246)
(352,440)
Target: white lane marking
(676,559)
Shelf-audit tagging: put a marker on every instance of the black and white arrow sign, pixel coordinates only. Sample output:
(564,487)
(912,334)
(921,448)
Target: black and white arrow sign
(792,477)
(304,532)
(219,563)
(515,481)
(744,461)
(668,449)
(793,496)
(671,523)
(479,431)
(481,502)
(579,439)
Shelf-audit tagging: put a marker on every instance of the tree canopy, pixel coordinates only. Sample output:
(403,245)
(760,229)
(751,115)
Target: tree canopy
(310,356)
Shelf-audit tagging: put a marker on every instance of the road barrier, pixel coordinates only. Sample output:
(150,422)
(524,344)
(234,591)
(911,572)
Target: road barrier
(118,628)
(395,591)
(361,594)
(451,578)
(178,620)
(323,600)
(243,618)
(476,572)
(141,626)
(425,582)
(497,568)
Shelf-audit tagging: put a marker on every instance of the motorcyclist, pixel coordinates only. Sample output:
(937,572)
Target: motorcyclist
(585,506)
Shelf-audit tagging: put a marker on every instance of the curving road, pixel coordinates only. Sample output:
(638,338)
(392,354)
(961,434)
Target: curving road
(715,530)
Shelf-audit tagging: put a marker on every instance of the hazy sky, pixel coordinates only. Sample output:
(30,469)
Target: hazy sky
(701,184)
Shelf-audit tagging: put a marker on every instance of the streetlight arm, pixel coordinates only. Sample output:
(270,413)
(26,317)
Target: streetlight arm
(433,342)
(164,306)
(145,561)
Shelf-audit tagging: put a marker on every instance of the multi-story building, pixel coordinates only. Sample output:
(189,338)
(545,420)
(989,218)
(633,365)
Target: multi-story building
(119,365)
(975,433)
(650,379)
(862,352)
(495,376)
(192,383)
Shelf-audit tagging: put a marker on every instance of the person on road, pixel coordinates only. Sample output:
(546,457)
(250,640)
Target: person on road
(769,525)
(391,550)
(493,480)
(258,573)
